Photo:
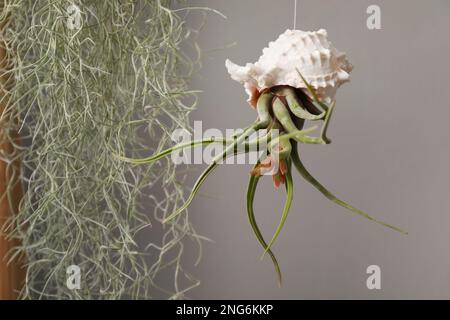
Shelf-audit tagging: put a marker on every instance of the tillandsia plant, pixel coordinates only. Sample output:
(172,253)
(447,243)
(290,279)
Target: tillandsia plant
(295,80)
(91,78)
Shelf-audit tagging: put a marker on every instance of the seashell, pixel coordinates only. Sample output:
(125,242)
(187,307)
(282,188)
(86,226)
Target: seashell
(321,64)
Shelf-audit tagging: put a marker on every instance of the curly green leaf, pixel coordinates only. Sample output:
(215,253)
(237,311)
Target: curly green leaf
(287,207)
(253,182)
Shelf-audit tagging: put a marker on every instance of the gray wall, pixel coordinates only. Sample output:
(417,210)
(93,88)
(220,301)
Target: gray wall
(389,156)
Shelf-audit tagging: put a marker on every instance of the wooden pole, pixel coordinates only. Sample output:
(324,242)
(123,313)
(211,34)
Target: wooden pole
(12,274)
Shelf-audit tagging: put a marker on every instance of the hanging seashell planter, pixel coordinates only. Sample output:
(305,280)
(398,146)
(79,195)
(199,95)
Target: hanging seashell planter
(310,53)
(295,80)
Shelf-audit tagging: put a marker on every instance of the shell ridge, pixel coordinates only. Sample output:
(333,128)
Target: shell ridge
(323,66)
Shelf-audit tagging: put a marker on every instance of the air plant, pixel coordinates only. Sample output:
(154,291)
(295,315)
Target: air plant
(295,80)
(118,82)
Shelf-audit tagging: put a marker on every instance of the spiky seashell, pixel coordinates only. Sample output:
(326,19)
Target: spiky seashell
(310,52)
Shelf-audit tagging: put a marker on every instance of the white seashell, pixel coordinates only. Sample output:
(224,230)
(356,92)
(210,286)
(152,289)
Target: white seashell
(322,65)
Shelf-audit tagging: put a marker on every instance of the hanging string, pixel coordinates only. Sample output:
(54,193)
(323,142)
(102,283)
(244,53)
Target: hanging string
(295,14)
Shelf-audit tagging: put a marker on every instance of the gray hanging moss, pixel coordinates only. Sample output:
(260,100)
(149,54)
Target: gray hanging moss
(110,83)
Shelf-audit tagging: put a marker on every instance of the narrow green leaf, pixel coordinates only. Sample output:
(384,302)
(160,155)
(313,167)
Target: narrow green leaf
(229,150)
(168,151)
(323,132)
(253,182)
(308,177)
(312,91)
(287,207)
(298,109)
(194,191)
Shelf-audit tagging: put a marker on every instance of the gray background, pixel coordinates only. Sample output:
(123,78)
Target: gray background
(389,156)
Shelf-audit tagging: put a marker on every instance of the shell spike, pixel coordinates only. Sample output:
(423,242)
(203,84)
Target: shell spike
(310,52)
